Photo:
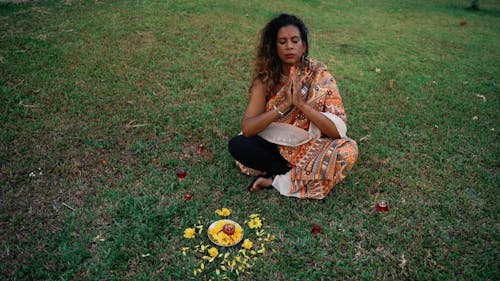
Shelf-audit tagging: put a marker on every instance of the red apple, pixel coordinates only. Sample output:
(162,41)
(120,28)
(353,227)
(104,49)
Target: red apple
(228,229)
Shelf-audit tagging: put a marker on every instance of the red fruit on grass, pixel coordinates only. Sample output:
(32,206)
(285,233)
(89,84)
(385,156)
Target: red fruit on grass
(181,173)
(188,196)
(316,229)
(201,148)
(382,206)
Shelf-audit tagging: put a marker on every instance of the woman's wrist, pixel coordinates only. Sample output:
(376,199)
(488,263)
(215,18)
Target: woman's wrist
(282,108)
(281,113)
(301,104)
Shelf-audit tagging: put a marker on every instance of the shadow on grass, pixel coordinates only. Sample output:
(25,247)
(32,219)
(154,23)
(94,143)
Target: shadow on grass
(487,12)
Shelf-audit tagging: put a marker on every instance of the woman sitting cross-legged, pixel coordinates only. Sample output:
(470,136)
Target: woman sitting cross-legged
(294,127)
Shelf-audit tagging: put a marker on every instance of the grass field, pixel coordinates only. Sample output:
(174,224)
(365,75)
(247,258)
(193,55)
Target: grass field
(101,102)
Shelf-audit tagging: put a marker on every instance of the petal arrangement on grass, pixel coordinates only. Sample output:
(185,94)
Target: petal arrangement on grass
(227,257)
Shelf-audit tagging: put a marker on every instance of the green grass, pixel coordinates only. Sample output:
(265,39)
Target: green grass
(106,99)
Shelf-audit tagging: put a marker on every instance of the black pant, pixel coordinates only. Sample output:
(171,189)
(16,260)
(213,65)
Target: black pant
(257,153)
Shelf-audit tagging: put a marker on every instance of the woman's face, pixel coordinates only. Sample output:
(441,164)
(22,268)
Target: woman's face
(289,45)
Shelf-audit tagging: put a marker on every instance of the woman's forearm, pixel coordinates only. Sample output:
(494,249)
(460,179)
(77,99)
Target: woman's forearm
(251,126)
(325,125)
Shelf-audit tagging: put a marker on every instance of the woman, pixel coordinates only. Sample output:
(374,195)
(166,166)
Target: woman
(294,127)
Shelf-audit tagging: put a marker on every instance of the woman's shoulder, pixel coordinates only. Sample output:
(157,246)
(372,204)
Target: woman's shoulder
(319,72)
(316,65)
(257,86)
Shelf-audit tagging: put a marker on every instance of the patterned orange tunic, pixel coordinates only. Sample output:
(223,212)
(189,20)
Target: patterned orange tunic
(318,165)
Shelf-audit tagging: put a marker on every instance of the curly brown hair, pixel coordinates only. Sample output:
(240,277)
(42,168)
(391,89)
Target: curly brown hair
(267,66)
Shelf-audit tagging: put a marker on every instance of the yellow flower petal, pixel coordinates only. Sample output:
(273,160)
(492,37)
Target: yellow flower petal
(247,244)
(213,252)
(223,212)
(189,233)
(255,223)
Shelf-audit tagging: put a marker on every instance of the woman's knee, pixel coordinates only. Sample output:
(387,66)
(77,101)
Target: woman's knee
(349,153)
(237,145)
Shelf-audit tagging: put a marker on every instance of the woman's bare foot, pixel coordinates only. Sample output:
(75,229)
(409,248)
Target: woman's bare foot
(260,183)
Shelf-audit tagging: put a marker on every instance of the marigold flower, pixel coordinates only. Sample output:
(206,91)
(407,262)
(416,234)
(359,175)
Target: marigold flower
(247,244)
(213,252)
(255,223)
(223,212)
(189,233)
